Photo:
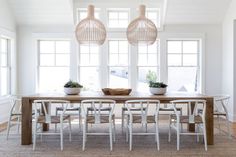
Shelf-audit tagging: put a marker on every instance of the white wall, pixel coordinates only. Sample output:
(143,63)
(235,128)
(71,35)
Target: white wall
(7,29)
(228,58)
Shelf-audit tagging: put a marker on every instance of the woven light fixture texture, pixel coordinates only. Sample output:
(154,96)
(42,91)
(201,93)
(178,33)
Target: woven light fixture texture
(141,30)
(90,30)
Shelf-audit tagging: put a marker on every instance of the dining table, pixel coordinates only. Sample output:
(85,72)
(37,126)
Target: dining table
(27,104)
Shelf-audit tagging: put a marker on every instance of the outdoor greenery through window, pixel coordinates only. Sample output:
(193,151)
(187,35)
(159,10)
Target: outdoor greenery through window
(53,64)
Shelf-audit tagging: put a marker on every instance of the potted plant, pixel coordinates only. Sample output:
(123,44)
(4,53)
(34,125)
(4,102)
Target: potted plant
(155,87)
(72,88)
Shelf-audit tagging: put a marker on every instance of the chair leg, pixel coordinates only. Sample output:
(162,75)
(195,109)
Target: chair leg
(80,120)
(61,135)
(178,135)
(56,123)
(122,120)
(218,118)
(198,131)
(114,131)
(157,136)
(84,135)
(130,136)
(8,126)
(35,134)
(228,127)
(18,125)
(205,136)
(70,129)
(127,130)
(169,131)
(110,132)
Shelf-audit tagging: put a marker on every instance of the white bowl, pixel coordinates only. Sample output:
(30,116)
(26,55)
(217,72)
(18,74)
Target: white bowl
(157,91)
(72,91)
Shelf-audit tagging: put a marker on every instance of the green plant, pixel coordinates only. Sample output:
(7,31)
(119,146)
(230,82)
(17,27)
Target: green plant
(157,84)
(72,84)
(151,76)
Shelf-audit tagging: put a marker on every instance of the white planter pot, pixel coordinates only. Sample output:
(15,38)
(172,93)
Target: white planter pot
(72,91)
(157,91)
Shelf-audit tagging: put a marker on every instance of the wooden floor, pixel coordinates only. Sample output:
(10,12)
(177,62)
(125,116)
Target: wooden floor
(98,146)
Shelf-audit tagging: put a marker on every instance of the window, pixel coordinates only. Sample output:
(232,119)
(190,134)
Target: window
(82,14)
(154,16)
(183,65)
(89,67)
(118,63)
(4,66)
(118,18)
(54,61)
(147,62)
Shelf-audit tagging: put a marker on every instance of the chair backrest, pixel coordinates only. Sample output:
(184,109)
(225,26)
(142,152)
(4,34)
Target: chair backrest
(221,103)
(193,108)
(97,107)
(141,107)
(16,104)
(42,106)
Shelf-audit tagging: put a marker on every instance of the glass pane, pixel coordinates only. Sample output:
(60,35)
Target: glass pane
(113,47)
(84,49)
(89,78)
(3,59)
(62,59)
(47,47)
(113,15)
(182,79)
(4,81)
(118,77)
(142,59)
(190,47)
(122,24)
(113,23)
(174,47)
(3,45)
(113,59)
(83,15)
(123,59)
(142,82)
(94,60)
(47,60)
(84,59)
(174,60)
(152,48)
(62,47)
(94,49)
(152,15)
(190,60)
(123,47)
(142,49)
(123,15)
(152,59)
(52,78)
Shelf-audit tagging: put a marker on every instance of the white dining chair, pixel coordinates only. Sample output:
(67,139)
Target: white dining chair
(139,113)
(98,112)
(193,117)
(15,114)
(46,117)
(221,110)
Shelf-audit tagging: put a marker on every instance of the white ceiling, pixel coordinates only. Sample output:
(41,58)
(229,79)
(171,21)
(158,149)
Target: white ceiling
(53,12)
(42,12)
(196,11)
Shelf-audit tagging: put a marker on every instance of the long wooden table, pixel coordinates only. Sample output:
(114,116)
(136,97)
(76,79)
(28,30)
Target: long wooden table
(26,137)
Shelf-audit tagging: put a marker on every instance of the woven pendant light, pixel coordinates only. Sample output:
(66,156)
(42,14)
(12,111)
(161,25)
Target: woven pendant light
(141,30)
(90,30)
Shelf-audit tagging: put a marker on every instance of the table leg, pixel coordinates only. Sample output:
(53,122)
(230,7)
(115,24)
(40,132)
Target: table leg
(210,121)
(26,129)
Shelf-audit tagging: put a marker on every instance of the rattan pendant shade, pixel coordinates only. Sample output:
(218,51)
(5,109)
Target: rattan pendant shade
(141,30)
(90,30)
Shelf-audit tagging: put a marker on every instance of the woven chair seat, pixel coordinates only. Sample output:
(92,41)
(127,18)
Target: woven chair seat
(101,109)
(170,109)
(68,109)
(219,114)
(132,109)
(16,114)
(54,119)
(104,118)
(185,119)
(137,118)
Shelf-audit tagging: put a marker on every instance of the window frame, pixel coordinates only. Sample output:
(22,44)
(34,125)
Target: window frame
(118,10)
